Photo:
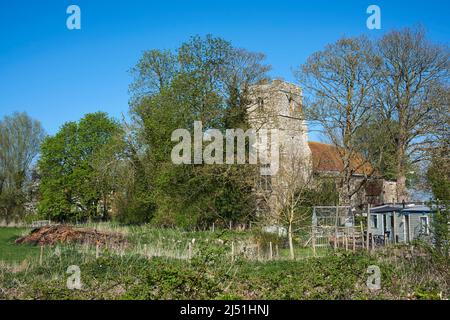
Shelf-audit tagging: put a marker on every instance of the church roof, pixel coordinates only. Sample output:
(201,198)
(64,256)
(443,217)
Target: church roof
(327,158)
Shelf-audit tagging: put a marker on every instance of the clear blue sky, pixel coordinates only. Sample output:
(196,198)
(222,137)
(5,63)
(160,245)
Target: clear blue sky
(57,75)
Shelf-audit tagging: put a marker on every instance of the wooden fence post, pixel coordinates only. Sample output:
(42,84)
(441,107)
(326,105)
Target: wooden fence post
(336,229)
(368,228)
(362,234)
(354,240)
(232,251)
(190,250)
(257,251)
(270,251)
(314,241)
(346,241)
(41,255)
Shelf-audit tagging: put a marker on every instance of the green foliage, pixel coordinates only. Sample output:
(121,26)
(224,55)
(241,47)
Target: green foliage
(205,277)
(10,252)
(68,187)
(205,80)
(438,175)
(374,141)
(265,238)
(324,193)
(212,276)
(440,230)
(12,203)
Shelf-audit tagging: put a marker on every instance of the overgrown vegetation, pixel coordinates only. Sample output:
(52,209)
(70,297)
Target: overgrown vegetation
(211,274)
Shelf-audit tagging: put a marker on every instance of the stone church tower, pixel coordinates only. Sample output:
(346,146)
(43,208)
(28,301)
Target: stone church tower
(278,105)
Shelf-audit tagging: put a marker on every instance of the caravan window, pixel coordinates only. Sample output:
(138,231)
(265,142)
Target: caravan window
(375,221)
(424,224)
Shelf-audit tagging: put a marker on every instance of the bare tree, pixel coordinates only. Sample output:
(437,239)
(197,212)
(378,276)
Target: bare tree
(412,92)
(339,83)
(287,193)
(20,139)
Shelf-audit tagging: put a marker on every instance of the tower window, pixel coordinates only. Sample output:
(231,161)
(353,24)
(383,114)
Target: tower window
(291,103)
(261,103)
(265,183)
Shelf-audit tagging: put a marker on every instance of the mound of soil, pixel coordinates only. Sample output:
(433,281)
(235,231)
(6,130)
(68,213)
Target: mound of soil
(50,235)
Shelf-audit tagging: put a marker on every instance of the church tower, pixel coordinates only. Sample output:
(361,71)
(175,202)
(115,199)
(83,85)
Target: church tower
(278,105)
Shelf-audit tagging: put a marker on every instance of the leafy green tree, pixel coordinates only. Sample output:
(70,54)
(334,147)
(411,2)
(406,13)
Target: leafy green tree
(440,230)
(69,189)
(120,169)
(207,80)
(438,175)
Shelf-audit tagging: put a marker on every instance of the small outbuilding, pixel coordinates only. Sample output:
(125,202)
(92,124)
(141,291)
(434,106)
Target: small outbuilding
(401,223)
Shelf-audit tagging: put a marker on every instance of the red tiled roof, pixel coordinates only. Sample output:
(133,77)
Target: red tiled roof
(327,158)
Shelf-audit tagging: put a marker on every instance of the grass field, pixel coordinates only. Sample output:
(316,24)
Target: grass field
(12,253)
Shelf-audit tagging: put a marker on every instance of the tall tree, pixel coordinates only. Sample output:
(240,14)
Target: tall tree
(338,84)
(69,188)
(20,138)
(413,75)
(206,80)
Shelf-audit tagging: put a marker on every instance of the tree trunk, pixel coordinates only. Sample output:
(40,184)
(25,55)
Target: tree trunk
(345,190)
(402,194)
(291,243)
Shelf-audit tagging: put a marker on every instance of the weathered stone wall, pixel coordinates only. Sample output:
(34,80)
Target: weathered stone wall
(389,192)
(278,105)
